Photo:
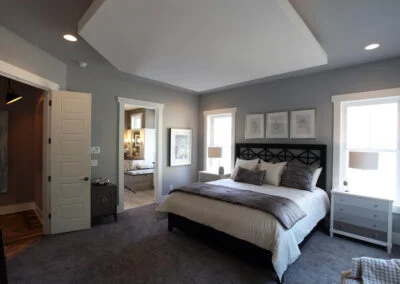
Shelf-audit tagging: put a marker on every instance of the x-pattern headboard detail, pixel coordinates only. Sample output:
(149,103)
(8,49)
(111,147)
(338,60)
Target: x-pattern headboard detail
(309,154)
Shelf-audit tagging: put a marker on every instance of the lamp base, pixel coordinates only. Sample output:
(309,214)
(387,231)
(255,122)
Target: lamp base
(221,171)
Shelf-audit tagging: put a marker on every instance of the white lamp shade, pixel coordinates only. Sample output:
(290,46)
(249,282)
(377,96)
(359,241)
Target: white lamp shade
(363,160)
(214,152)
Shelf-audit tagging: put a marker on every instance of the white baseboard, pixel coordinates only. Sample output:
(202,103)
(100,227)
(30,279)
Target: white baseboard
(396,238)
(14,208)
(39,213)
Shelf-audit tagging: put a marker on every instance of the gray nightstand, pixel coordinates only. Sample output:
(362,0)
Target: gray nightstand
(205,176)
(362,217)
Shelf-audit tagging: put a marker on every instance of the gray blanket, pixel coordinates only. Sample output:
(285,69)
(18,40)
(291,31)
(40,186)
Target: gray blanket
(283,209)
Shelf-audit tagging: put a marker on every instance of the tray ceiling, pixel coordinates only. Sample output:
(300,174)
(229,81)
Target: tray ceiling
(201,45)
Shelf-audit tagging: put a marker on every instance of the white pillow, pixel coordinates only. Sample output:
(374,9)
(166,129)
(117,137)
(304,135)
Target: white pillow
(274,172)
(247,164)
(315,177)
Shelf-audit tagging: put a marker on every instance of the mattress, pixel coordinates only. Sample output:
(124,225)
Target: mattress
(251,225)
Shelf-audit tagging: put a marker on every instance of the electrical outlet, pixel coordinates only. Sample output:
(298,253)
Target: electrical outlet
(95,150)
(94,163)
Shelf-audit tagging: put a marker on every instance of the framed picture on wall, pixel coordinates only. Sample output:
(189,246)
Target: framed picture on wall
(302,124)
(277,125)
(254,126)
(180,147)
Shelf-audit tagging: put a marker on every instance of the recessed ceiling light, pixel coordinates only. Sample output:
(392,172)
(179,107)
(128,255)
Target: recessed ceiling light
(371,46)
(70,37)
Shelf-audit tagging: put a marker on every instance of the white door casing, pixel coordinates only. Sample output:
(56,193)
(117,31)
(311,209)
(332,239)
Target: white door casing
(70,170)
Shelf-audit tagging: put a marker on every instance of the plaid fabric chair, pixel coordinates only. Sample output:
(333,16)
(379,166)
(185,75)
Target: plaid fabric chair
(372,271)
(3,269)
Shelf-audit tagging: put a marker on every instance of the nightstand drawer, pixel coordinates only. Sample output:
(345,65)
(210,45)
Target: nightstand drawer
(360,231)
(374,215)
(374,204)
(361,221)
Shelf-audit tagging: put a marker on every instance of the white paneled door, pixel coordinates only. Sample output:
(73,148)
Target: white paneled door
(70,126)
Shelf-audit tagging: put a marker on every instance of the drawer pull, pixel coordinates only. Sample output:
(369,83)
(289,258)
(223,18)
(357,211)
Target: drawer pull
(375,215)
(341,209)
(374,225)
(341,200)
(375,205)
(375,235)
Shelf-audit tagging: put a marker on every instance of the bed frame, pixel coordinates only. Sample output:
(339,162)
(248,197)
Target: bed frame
(309,154)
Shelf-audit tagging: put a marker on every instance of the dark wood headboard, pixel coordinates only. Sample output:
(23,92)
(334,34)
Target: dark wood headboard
(309,154)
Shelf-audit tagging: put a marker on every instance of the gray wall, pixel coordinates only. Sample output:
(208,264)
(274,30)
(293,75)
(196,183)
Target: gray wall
(309,91)
(105,85)
(150,118)
(20,53)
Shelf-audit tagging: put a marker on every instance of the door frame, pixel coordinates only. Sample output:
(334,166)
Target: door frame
(159,108)
(18,74)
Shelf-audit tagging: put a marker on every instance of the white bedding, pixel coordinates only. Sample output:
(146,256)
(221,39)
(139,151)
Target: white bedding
(251,225)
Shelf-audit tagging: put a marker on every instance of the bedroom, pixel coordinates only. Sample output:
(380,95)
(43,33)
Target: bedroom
(46,53)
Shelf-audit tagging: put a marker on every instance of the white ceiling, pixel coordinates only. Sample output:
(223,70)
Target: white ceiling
(201,45)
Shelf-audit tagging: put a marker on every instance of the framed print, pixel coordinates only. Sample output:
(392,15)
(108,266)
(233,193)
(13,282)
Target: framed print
(254,126)
(137,140)
(302,124)
(180,147)
(277,125)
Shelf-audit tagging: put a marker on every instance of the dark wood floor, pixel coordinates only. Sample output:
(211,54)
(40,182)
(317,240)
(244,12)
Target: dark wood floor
(20,231)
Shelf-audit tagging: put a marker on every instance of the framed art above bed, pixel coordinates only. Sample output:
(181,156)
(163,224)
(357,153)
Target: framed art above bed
(277,125)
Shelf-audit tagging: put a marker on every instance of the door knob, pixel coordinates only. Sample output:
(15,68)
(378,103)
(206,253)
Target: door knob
(85,179)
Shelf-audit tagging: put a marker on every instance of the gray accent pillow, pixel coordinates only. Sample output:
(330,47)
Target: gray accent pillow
(298,175)
(249,176)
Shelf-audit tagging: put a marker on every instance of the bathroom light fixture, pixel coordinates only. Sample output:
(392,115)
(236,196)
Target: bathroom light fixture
(70,37)
(11,96)
(371,46)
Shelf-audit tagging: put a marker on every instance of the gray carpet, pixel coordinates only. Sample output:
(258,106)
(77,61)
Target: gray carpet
(138,249)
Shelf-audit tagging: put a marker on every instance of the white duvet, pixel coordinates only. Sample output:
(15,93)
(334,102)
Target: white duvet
(251,225)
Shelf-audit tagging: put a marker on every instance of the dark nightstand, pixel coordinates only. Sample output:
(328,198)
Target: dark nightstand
(104,200)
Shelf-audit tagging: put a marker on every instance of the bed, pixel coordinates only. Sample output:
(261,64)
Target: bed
(253,230)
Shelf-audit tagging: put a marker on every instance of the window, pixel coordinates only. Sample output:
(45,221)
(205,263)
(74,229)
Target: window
(372,127)
(136,121)
(220,132)
(368,125)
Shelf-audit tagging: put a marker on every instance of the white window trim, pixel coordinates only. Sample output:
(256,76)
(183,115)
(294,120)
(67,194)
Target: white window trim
(206,113)
(340,101)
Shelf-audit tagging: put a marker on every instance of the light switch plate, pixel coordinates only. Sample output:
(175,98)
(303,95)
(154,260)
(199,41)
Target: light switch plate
(94,163)
(95,150)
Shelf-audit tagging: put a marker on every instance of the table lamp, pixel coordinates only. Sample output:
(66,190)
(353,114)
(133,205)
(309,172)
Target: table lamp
(362,161)
(216,152)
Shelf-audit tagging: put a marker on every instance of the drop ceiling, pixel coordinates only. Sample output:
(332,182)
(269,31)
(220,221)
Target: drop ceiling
(201,45)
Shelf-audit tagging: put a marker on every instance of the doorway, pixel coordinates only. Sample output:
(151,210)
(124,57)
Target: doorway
(21,164)
(66,160)
(139,156)
(140,159)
